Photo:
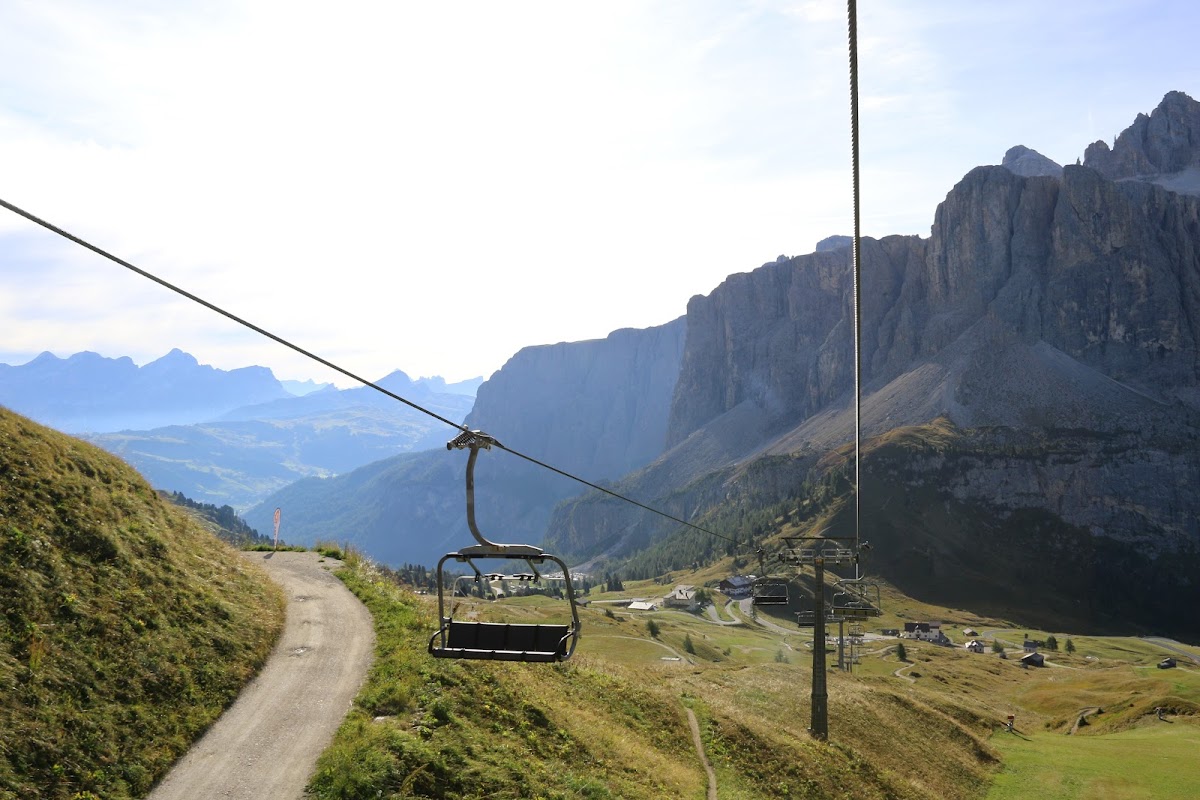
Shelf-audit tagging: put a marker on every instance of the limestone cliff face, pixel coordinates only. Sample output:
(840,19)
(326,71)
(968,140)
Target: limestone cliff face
(1049,301)
(1107,273)
(596,408)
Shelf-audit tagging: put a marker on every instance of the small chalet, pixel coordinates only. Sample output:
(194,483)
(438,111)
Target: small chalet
(1034,659)
(641,605)
(1031,645)
(969,632)
(683,596)
(925,632)
(975,646)
(736,586)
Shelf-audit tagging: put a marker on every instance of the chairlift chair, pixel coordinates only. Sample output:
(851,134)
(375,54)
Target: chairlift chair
(768,590)
(857,597)
(806,617)
(499,641)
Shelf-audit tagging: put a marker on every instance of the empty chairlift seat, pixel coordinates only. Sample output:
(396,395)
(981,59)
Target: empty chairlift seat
(769,592)
(503,641)
(499,641)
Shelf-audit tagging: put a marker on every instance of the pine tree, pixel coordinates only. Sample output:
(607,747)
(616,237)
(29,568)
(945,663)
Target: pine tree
(901,653)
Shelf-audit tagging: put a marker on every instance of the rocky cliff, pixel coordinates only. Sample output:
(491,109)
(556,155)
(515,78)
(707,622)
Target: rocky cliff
(1053,300)
(1105,273)
(1167,141)
(597,408)
(1030,163)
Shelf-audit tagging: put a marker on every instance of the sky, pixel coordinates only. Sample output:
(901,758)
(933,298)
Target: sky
(432,186)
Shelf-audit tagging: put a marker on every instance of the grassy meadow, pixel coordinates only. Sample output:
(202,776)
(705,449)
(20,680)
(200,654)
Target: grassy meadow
(612,721)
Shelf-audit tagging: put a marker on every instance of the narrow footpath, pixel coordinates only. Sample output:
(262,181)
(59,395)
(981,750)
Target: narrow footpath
(694,725)
(266,744)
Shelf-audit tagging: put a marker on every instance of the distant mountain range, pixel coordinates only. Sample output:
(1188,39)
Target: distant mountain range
(88,393)
(228,437)
(1042,340)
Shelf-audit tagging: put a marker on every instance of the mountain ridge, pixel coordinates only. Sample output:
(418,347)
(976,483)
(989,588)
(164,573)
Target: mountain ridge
(1038,303)
(247,445)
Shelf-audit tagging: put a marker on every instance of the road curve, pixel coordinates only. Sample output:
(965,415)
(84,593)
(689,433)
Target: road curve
(266,744)
(1173,646)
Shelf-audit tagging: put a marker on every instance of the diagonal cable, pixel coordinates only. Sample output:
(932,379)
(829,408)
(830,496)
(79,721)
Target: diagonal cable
(325,362)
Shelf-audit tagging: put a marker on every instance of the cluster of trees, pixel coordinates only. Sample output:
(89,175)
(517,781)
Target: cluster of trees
(415,575)
(231,527)
(1052,644)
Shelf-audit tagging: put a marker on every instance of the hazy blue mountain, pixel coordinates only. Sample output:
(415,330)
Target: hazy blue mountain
(429,392)
(253,451)
(90,393)
(227,437)
(301,388)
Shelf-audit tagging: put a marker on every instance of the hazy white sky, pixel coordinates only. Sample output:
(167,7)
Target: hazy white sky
(432,186)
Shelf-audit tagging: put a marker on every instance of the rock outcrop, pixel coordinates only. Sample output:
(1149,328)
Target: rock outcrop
(1167,141)
(597,408)
(1030,163)
(834,243)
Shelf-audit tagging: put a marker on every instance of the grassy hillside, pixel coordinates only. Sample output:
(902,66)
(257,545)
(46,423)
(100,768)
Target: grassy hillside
(125,628)
(612,722)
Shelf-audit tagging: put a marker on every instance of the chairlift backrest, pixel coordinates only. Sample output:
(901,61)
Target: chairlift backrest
(769,591)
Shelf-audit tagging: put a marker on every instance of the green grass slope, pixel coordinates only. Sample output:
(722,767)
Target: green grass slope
(125,628)
(613,723)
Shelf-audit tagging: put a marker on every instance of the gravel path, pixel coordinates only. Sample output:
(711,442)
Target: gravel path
(266,744)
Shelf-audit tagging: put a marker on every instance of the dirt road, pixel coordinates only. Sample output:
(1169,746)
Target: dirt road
(266,744)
